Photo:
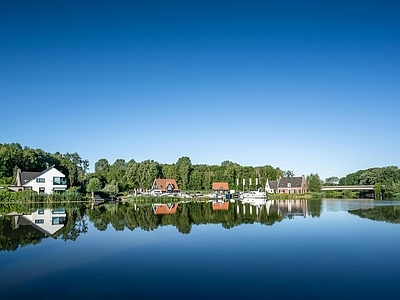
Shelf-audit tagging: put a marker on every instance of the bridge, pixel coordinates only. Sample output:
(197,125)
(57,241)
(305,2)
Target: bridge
(348,188)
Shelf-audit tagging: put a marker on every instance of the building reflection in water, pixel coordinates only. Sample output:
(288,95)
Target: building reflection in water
(284,208)
(48,221)
(220,205)
(163,209)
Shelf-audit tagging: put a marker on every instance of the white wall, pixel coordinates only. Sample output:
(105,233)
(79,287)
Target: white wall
(48,181)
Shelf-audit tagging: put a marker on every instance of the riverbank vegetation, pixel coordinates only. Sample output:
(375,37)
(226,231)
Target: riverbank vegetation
(14,156)
(122,177)
(386,180)
(27,196)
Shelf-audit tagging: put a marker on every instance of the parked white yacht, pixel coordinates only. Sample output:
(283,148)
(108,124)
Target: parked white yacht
(259,194)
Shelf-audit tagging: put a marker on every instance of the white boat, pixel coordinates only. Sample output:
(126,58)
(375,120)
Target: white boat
(259,194)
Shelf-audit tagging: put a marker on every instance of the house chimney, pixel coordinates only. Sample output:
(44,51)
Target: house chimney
(47,165)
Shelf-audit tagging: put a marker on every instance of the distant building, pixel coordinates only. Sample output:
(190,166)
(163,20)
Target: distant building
(220,187)
(292,185)
(161,186)
(48,181)
(270,186)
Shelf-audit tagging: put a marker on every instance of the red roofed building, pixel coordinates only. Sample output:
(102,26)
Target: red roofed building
(164,186)
(220,187)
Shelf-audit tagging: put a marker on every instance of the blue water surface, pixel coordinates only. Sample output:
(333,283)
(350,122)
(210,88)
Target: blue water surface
(336,254)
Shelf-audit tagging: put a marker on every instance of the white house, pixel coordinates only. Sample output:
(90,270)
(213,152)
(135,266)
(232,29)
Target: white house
(49,181)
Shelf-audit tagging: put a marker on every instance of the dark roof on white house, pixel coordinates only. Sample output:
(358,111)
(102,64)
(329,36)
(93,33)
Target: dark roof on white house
(28,176)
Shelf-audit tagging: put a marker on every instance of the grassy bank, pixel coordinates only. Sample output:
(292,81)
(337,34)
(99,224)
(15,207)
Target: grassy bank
(7,196)
(290,196)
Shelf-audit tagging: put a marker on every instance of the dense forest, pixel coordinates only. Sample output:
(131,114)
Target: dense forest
(122,176)
(14,156)
(125,176)
(132,174)
(385,180)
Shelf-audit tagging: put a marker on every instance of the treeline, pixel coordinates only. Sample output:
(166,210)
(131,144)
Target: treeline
(14,156)
(122,176)
(133,175)
(386,180)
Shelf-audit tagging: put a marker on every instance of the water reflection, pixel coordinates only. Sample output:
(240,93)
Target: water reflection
(48,221)
(162,209)
(388,214)
(21,226)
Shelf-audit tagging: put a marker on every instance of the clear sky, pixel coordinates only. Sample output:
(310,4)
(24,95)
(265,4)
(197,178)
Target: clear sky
(309,86)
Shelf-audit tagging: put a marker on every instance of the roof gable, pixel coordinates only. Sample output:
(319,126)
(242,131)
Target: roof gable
(292,181)
(220,186)
(28,176)
(272,184)
(33,175)
(165,184)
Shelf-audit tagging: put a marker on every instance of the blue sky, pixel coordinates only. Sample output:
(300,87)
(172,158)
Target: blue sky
(310,86)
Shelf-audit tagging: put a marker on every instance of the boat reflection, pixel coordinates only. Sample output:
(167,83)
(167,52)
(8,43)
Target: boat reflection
(284,208)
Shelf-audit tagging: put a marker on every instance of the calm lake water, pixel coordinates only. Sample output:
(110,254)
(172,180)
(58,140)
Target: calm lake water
(329,248)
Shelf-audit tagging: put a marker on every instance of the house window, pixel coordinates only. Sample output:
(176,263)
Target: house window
(40,211)
(58,220)
(41,190)
(40,180)
(39,221)
(289,184)
(58,211)
(59,181)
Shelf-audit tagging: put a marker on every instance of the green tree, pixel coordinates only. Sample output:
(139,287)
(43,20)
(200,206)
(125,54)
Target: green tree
(378,190)
(331,181)
(94,185)
(101,169)
(287,173)
(314,183)
(183,167)
(111,188)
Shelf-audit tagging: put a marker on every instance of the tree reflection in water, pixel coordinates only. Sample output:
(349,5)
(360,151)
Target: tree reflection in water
(145,217)
(18,229)
(389,214)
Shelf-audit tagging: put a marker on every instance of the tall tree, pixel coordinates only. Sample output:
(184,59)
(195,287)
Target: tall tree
(183,167)
(331,180)
(287,173)
(314,183)
(94,185)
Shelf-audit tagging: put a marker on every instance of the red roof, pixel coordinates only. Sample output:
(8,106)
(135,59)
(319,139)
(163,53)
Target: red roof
(220,205)
(216,186)
(162,184)
(163,209)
